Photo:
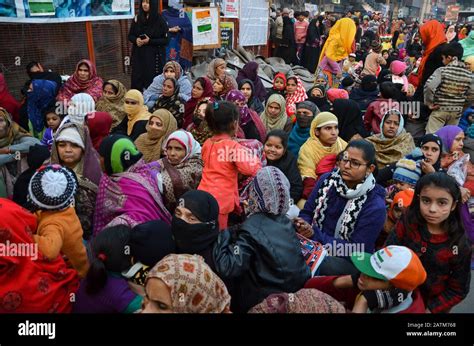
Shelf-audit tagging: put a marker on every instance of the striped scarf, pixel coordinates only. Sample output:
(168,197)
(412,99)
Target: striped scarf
(355,201)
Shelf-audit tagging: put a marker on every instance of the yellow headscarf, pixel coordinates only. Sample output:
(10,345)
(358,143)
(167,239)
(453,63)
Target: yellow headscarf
(135,112)
(338,46)
(470,60)
(312,151)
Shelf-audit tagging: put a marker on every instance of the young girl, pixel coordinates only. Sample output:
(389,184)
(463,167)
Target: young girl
(295,93)
(52,121)
(224,159)
(432,228)
(279,85)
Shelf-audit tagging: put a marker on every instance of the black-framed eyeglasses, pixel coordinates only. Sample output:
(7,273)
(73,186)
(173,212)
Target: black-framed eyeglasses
(353,163)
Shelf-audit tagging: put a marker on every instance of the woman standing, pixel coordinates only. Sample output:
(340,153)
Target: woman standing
(149,36)
(313,44)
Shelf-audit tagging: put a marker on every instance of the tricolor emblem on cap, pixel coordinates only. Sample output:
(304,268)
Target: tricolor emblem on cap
(397,264)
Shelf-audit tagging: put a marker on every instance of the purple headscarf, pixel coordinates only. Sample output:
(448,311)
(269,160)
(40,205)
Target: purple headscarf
(447,135)
(250,71)
(237,96)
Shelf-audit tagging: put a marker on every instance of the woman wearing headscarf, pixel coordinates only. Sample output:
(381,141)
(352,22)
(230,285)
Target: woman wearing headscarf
(171,70)
(149,36)
(13,141)
(247,88)
(318,96)
(199,127)
(137,115)
(84,80)
(112,101)
(451,34)
(274,117)
(222,82)
(202,89)
(457,165)
(32,283)
(7,101)
(306,111)
(269,259)
(393,142)
(295,93)
(195,224)
(99,125)
(277,155)
(181,167)
(160,125)
(313,44)
(249,121)
(305,301)
(250,71)
(171,101)
(350,120)
(427,155)
(41,98)
(175,274)
(366,93)
(128,191)
(72,148)
(468,45)
(323,140)
(337,47)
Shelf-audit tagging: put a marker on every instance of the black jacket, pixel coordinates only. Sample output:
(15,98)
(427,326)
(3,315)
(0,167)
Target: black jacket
(138,129)
(288,165)
(264,258)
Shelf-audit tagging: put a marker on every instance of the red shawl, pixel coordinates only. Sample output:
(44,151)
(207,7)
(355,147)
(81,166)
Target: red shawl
(93,86)
(432,34)
(190,106)
(99,124)
(30,284)
(7,101)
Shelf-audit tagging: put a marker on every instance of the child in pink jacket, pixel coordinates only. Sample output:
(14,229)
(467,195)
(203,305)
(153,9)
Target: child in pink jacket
(301,28)
(224,159)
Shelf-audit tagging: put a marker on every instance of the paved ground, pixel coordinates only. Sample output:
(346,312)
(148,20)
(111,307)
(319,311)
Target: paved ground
(467,305)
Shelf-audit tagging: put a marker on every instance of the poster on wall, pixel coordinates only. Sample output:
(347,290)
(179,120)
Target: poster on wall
(61,11)
(253,22)
(311,8)
(206,30)
(230,8)
(227,35)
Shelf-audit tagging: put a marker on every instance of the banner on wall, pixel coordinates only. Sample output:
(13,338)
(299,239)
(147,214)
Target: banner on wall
(61,11)
(227,35)
(230,8)
(253,29)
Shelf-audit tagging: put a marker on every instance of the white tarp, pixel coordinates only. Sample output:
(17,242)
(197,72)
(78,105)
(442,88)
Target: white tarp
(254,15)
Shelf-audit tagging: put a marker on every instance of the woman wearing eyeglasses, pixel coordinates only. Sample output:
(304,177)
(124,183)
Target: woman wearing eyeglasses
(137,116)
(346,210)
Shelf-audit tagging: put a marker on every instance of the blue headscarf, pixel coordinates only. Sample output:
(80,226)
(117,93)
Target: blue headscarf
(40,98)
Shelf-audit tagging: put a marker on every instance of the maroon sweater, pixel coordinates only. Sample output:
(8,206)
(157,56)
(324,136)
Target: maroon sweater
(448,266)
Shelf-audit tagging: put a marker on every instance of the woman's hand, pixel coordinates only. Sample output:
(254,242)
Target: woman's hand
(465,194)
(303,228)
(139,42)
(146,40)
(427,167)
